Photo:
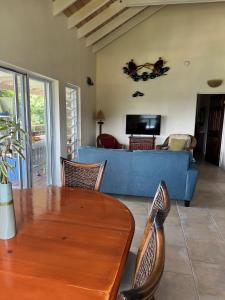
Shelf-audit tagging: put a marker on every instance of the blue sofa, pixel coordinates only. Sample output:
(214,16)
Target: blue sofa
(139,172)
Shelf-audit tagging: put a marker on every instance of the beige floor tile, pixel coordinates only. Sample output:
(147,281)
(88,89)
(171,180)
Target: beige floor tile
(177,260)
(205,186)
(200,231)
(216,202)
(140,220)
(207,297)
(138,208)
(176,286)
(220,222)
(210,280)
(217,212)
(172,220)
(136,240)
(221,187)
(173,208)
(205,251)
(194,214)
(202,199)
(174,235)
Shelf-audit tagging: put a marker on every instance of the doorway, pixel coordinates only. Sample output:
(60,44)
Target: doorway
(209,127)
(28,99)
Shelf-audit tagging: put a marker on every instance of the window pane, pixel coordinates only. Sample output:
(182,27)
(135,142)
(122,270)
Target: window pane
(38,132)
(8,110)
(72,114)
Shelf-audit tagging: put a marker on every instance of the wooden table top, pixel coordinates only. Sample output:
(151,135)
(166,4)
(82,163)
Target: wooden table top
(70,244)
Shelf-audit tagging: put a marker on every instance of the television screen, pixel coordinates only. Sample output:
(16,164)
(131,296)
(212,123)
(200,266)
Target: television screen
(143,124)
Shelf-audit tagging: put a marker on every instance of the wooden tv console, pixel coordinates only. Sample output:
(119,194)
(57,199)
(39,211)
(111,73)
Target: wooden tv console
(141,143)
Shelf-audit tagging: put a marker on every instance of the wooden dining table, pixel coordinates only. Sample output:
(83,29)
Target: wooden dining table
(71,244)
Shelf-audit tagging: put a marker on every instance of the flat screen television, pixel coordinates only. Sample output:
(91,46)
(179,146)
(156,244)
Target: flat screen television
(143,124)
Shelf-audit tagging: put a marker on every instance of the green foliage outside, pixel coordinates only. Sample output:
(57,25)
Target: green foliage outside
(6,93)
(37,106)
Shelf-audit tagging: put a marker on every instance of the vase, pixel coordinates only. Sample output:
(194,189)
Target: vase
(7,214)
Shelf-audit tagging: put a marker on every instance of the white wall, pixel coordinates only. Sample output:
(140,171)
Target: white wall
(177,33)
(32,39)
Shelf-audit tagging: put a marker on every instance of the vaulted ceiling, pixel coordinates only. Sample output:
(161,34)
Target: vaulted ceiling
(102,21)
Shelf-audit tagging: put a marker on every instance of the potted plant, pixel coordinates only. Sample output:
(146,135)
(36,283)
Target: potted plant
(11,139)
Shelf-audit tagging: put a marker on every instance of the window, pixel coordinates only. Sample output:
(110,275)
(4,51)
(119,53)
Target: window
(73,120)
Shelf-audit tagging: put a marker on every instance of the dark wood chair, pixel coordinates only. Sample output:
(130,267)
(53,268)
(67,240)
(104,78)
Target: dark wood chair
(150,267)
(86,176)
(165,145)
(161,202)
(105,140)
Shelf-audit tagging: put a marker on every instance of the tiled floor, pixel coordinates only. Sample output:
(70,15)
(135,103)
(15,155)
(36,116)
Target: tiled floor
(195,240)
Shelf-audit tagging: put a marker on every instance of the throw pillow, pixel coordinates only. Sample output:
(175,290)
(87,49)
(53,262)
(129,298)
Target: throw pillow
(185,137)
(177,144)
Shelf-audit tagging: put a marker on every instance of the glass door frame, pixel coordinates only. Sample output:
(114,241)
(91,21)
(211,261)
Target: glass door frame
(25,180)
(49,128)
(15,74)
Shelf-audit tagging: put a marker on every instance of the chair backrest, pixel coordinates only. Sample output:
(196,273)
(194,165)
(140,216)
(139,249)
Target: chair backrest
(86,176)
(160,203)
(105,140)
(151,264)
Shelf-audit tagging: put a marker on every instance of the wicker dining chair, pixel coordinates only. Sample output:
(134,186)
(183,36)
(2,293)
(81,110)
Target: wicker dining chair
(86,176)
(161,202)
(150,268)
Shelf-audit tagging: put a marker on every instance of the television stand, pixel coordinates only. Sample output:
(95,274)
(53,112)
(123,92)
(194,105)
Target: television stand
(141,143)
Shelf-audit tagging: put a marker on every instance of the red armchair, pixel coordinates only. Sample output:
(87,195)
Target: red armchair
(105,140)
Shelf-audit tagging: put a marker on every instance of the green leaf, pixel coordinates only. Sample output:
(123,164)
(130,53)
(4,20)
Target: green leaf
(11,167)
(17,144)
(18,151)
(3,168)
(4,136)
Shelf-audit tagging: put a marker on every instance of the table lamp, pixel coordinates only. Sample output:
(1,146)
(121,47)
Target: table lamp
(100,118)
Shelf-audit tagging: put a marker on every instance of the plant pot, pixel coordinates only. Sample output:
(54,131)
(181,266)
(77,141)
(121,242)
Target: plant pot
(7,214)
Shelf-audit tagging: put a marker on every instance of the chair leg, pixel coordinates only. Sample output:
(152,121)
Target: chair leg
(186,203)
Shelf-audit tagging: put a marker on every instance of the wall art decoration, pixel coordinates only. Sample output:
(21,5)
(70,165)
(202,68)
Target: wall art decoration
(137,94)
(89,81)
(157,69)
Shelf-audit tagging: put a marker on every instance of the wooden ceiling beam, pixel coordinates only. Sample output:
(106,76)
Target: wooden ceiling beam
(142,16)
(112,25)
(85,12)
(129,3)
(60,5)
(107,14)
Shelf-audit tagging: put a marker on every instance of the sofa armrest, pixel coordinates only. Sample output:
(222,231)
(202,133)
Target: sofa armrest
(191,180)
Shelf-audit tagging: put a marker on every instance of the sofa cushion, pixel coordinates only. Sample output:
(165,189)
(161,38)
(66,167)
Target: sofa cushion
(185,137)
(177,144)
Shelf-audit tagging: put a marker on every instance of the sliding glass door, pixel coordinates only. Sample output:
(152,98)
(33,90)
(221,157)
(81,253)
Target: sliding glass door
(28,100)
(39,95)
(11,97)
